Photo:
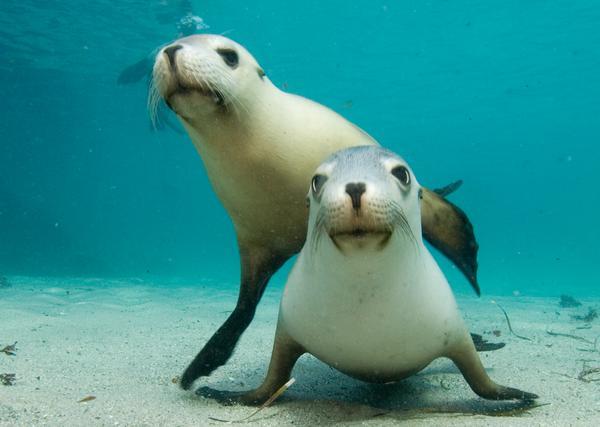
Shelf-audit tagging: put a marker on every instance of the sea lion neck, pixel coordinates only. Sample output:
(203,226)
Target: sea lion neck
(230,129)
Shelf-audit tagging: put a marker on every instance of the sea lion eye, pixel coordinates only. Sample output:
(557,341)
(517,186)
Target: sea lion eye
(402,174)
(261,73)
(317,183)
(230,57)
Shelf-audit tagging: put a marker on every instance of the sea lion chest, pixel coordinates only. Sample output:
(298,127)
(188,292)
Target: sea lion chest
(380,320)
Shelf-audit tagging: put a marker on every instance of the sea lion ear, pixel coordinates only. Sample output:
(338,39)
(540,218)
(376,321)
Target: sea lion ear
(449,230)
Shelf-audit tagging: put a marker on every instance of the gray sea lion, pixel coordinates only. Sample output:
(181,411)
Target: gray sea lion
(365,295)
(260,146)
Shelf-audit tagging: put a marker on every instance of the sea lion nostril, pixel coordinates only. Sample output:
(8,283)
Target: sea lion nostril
(355,190)
(170,52)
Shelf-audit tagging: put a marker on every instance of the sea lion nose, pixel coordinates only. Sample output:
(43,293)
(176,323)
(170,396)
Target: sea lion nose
(355,190)
(170,52)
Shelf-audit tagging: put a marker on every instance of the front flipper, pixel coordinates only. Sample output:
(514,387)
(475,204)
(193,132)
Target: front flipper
(286,352)
(449,230)
(467,360)
(224,397)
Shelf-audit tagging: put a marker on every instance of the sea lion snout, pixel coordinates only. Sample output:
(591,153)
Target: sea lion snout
(355,190)
(355,213)
(170,52)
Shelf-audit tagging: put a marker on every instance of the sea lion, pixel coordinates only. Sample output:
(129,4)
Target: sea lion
(365,295)
(260,146)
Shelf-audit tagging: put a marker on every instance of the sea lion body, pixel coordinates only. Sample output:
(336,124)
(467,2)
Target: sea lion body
(380,318)
(259,146)
(375,313)
(365,295)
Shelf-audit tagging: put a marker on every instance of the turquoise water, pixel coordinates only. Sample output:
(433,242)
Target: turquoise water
(502,94)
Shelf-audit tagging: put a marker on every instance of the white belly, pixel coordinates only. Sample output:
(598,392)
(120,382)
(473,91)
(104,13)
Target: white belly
(370,323)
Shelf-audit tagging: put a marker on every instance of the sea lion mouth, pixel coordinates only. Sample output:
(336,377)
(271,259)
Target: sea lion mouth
(182,89)
(360,236)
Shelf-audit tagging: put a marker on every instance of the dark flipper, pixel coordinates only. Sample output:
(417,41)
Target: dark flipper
(136,72)
(467,361)
(448,189)
(449,230)
(257,268)
(481,344)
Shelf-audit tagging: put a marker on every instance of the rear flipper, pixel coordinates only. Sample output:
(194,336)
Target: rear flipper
(449,230)
(466,359)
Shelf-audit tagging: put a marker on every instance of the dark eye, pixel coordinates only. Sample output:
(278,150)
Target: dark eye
(317,183)
(402,174)
(261,73)
(229,56)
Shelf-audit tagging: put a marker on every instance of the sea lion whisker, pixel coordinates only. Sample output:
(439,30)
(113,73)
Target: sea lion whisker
(400,222)
(153,101)
(318,231)
(229,83)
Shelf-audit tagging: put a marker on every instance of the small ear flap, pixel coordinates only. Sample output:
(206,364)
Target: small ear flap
(449,230)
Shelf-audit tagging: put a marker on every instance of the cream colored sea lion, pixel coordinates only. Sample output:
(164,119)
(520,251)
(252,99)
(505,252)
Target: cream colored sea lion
(260,146)
(365,295)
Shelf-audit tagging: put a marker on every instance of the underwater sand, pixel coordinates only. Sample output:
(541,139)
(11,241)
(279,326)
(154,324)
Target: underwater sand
(123,342)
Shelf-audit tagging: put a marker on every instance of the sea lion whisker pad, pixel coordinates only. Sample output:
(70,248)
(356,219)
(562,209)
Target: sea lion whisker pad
(366,287)
(260,147)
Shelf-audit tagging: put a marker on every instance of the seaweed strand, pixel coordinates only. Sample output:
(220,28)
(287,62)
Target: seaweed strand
(508,323)
(270,400)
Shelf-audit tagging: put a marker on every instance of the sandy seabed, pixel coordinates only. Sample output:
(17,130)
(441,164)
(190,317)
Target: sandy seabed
(123,342)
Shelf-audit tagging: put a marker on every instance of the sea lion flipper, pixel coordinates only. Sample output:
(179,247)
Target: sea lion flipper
(466,359)
(258,265)
(286,352)
(449,189)
(136,72)
(449,230)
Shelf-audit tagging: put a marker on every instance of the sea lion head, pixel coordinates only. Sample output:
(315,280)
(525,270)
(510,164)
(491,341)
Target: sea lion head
(205,74)
(363,198)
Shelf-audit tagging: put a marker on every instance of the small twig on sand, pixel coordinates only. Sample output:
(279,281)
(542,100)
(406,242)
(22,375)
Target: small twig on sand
(508,323)
(514,411)
(586,373)
(575,337)
(270,400)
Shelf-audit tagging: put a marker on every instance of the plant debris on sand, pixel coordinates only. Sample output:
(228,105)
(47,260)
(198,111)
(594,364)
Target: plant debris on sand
(7,379)
(591,315)
(567,301)
(10,349)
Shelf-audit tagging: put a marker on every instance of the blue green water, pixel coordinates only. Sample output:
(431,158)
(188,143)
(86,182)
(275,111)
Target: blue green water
(502,94)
